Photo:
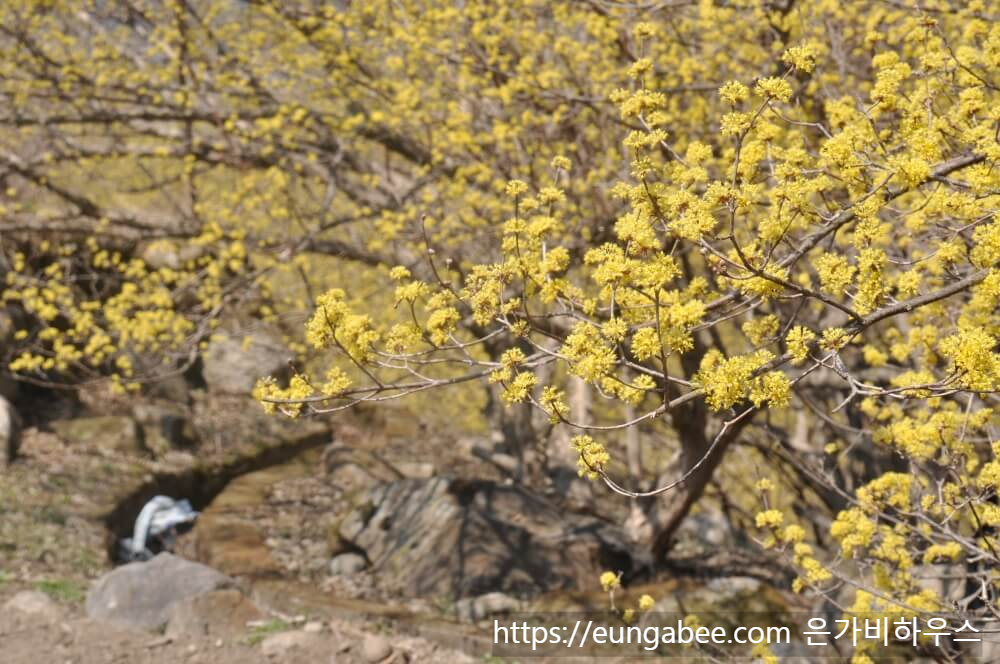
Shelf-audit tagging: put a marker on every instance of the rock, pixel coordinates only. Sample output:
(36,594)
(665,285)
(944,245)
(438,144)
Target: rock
(493,453)
(112,433)
(351,468)
(218,613)
(505,462)
(10,432)
(348,477)
(171,388)
(707,529)
(313,627)
(142,595)
(162,253)
(283,643)
(179,459)
(733,586)
(36,604)
(234,362)
(416,469)
(375,648)
(575,492)
(474,609)
(347,563)
(463,538)
(228,535)
(726,601)
(164,426)
(233,545)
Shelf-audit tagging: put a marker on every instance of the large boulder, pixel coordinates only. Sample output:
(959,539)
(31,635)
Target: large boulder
(10,432)
(143,595)
(111,433)
(458,538)
(234,361)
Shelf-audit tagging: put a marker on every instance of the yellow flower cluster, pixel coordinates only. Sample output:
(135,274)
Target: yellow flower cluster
(590,356)
(972,352)
(610,581)
(592,456)
(798,340)
(728,381)
(333,324)
(268,393)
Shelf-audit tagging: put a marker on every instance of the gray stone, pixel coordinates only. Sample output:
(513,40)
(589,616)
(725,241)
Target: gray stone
(416,469)
(505,462)
(10,432)
(725,600)
(172,388)
(351,469)
(707,529)
(733,586)
(167,254)
(142,595)
(375,648)
(494,454)
(350,476)
(474,609)
(112,433)
(347,563)
(179,459)
(234,362)
(314,627)
(36,604)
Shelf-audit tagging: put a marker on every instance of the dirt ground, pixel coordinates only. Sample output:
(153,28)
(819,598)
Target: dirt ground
(63,635)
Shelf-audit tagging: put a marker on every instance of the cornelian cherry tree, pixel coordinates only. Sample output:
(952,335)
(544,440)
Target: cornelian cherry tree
(817,236)
(762,225)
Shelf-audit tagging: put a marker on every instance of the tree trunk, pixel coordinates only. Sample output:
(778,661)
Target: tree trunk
(668,511)
(633,448)
(691,422)
(561,456)
(515,426)
(512,426)
(638,526)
